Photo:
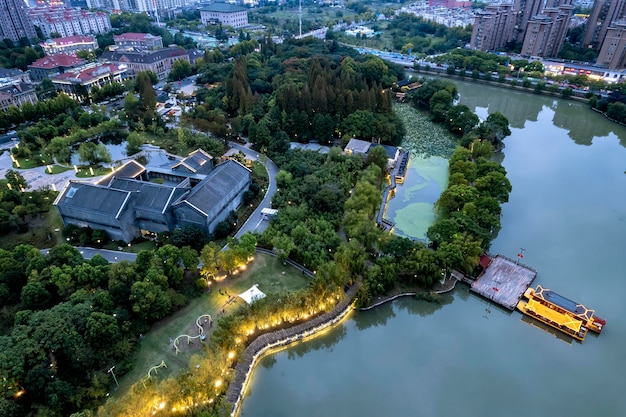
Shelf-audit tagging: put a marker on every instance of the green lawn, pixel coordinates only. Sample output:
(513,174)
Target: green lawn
(264,270)
(56,169)
(97,171)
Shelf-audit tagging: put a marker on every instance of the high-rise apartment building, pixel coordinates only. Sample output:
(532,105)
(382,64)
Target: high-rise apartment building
(604,13)
(545,33)
(14,21)
(613,51)
(540,24)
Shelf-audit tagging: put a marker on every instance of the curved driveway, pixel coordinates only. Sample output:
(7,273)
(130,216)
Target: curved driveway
(255,222)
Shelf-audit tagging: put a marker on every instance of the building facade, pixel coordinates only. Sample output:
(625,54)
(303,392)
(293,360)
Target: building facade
(54,64)
(540,25)
(603,14)
(224,13)
(159,61)
(70,45)
(138,41)
(613,51)
(78,82)
(14,21)
(16,93)
(69,22)
(545,33)
(126,205)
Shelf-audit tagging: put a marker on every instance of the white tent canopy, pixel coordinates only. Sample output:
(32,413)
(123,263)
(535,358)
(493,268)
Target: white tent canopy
(252,294)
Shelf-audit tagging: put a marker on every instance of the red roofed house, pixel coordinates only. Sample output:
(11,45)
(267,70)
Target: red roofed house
(69,45)
(138,40)
(54,64)
(78,82)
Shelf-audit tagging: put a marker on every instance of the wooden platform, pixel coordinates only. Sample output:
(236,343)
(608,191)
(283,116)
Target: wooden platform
(504,282)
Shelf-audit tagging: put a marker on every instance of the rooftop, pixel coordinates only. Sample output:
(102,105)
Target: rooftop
(70,40)
(142,56)
(212,190)
(131,36)
(58,60)
(223,8)
(91,73)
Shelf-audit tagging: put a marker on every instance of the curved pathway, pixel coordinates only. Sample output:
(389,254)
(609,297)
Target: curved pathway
(255,221)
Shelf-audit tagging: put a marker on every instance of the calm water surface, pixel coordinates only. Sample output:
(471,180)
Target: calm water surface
(465,357)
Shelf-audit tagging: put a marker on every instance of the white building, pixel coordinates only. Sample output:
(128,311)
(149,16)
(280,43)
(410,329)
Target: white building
(224,13)
(69,22)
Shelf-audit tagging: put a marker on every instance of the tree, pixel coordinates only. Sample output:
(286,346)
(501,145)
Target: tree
(133,143)
(283,245)
(180,69)
(209,257)
(147,95)
(461,119)
(440,103)
(16,181)
(149,301)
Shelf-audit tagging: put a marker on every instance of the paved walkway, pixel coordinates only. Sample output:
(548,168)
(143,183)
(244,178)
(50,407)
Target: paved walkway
(255,222)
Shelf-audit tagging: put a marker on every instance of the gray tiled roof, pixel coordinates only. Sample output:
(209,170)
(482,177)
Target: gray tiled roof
(211,192)
(145,194)
(94,198)
(198,162)
(142,56)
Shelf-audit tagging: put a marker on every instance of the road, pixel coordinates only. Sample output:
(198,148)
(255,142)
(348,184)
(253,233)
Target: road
(255,222)
(110,255)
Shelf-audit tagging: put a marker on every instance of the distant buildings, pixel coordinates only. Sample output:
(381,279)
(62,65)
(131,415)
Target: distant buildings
(16,93)
(14,21)
(69,22)
(159,61)
(54,64)
(126,204)
(605,31)
(78,82)
(541,26)
(70,44)
(224,13)
(138,40)
(450,4)
(451,17)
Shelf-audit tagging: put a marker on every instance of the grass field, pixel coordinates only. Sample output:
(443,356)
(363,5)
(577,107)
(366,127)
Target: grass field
(264,270)
(57,169)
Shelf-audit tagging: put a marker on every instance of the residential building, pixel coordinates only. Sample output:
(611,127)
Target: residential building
(70,44)
(52,65)
(138,41)
(545,33)
(450,4)
(224,13)
(11,75)
(69,22)
(14,21)
(159,61)
(126,205)
(78,82)
(493,27)
(613,51)
(540,25)
(16,93)
(603,14)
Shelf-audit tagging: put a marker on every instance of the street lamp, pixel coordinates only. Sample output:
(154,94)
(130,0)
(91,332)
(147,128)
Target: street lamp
(110,371)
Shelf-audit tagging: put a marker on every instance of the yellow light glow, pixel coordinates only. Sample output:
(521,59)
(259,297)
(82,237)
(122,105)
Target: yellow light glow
(218,383)
(231,354)
(162,405)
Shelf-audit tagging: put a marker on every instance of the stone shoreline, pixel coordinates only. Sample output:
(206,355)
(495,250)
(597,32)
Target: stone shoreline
(448,285)
(272,340)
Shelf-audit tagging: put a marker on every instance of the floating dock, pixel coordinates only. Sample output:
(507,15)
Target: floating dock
(504,281)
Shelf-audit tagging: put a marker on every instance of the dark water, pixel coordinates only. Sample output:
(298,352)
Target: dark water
(464,357)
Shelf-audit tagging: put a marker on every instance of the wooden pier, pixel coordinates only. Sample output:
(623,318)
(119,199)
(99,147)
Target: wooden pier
(504,281)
